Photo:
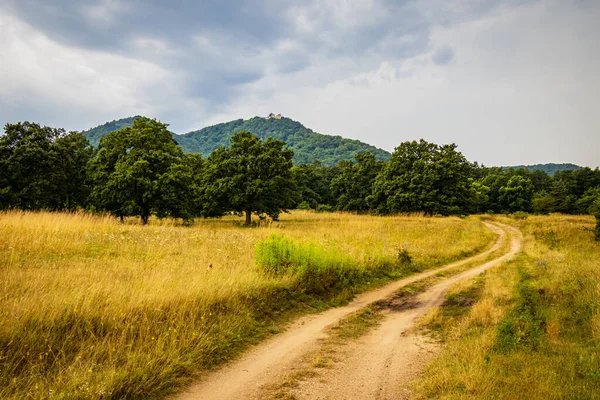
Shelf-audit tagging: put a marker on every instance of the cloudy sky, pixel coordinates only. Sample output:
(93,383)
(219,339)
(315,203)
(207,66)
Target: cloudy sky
(510,82)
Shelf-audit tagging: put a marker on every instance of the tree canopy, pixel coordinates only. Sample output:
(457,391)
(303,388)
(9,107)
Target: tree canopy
(423,176)
(135,170)
(353,185)
(42,167)
(251,176)
(140,170)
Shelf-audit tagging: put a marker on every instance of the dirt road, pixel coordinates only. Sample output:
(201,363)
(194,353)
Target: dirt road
(376,366)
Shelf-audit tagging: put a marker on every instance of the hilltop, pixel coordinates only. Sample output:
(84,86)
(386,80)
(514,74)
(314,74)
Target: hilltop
(308,146)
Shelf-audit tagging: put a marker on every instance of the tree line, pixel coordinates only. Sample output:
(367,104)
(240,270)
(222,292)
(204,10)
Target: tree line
(142,171)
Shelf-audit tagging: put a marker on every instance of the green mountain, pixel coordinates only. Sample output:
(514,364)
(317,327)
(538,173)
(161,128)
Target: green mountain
(95,134)
(550,169)
(308,146)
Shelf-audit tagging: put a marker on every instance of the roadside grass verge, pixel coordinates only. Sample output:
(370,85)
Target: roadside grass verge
(90,308)
(531,328)
(357,324)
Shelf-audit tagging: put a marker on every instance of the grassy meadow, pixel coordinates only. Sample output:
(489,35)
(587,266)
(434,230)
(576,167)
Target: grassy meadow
(92,308)
(534,329)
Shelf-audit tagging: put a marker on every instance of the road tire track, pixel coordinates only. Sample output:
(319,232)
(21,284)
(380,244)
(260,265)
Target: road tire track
(270,361)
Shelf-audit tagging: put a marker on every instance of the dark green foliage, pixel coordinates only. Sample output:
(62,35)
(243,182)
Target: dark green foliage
(354,183)
(72,154)
(542,203)
(139,170)
(496,179)
(308,146)
(565,192)
(594,209)
(314,183)
(516,195)
(322,208)
(251,176)
(540,180)
(549,169)
(585,205)
(42,168)
(562,200)
(95,134)
(423,176)
(207,140)
(579,181)
(180,188)
(479,197)
(304,205)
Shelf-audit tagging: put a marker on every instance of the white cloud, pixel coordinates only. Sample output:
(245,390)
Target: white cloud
(521,88)
(152,45)
(40,76)
(104,12)
(514,83)
(315,16)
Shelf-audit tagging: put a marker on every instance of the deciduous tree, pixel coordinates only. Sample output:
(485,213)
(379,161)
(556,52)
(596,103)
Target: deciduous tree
(516,195)
(42,167)
(251,176)
(138,171)
(355,181)
(423,176)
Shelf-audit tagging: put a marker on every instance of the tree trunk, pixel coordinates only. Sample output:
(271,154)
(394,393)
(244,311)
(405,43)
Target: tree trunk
(122,218)
(145,215)
(248,217)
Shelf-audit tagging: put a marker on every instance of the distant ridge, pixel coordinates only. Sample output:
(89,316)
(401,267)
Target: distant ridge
(308,146)
(550,168)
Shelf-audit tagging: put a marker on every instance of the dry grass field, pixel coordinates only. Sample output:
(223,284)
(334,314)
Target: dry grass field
(92,308)
(534,332)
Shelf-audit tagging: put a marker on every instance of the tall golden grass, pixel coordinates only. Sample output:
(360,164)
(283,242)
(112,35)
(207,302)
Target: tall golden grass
(535,332)
(92,308)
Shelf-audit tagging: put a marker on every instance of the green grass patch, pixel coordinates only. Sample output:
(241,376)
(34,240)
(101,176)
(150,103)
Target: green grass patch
(525,324)
(534,331)
(357,324)
(318,270)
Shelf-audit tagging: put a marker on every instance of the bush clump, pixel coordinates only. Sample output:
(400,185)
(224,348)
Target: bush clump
(316,270)
(323,208)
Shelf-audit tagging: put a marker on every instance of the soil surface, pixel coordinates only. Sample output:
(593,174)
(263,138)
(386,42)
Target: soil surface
(378,365)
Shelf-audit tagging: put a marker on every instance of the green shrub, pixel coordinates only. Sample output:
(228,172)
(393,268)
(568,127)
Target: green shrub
(594,209)
(304,206)
(324,208)
(316,270)
(520,215)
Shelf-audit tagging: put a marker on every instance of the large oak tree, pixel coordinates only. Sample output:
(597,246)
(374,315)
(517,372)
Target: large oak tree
(42,167)
(251,176)
(425,177)
(140,170)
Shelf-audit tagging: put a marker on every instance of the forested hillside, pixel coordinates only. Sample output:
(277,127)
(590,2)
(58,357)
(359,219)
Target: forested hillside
(308,146)
(550,168)
(95,134)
